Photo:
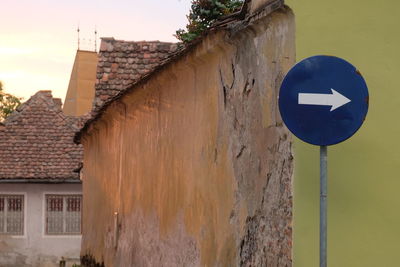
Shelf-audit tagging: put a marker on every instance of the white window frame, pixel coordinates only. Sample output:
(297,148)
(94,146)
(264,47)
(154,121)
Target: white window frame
(24,194)
(44,209)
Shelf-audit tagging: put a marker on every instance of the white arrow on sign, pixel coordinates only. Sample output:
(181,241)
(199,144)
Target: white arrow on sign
(336,100)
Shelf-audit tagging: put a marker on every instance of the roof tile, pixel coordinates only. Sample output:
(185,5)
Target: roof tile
(36,141)
(121,63)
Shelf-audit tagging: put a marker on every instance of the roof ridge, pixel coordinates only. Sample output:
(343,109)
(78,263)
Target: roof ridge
(112,39)
(68,120)
(37,142)
(46,97)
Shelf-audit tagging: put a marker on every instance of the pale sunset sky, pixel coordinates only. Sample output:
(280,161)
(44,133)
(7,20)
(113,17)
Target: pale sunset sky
(38,38)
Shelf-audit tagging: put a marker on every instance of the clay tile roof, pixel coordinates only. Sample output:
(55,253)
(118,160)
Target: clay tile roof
(36,142)
(121,63)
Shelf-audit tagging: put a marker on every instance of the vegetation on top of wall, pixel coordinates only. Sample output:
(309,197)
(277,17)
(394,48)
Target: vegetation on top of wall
(8,103)
(203,14)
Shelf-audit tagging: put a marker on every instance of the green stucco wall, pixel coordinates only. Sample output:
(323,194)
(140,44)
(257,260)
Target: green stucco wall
(364,180)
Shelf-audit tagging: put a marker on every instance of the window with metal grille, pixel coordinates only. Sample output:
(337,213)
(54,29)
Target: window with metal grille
(63,214)
(12,214)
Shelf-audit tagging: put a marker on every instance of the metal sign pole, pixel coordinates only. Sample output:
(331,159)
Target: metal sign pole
(315,104)
(323,206)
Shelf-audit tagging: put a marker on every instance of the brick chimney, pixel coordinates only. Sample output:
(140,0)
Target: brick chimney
(57,102)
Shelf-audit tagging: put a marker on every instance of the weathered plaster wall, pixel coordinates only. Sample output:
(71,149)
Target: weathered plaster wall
(35,249)
(193,168)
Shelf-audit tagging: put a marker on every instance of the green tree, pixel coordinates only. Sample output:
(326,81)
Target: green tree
(203,14)
(8,103)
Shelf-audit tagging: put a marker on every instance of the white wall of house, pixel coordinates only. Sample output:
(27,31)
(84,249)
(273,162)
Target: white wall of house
(34,247)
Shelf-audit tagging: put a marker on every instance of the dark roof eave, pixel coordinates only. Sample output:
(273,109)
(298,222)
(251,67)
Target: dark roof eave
(40,181)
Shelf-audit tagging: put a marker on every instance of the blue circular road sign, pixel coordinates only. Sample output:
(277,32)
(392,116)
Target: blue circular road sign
(323,100)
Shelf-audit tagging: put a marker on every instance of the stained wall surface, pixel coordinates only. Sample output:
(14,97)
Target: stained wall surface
(35,248)
(363,198)
(193,167)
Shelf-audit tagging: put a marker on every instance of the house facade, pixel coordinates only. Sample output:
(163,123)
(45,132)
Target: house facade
(190,165)
(40,188)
